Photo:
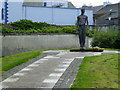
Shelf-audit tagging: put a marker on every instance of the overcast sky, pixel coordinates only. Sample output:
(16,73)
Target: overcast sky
(92,2)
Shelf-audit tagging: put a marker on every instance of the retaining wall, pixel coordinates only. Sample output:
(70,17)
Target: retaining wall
(12,44)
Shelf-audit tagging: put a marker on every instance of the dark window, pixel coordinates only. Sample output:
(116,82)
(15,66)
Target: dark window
(45,4)
(2,13)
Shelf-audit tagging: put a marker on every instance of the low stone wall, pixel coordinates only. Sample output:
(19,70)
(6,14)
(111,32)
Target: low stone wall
(13,44)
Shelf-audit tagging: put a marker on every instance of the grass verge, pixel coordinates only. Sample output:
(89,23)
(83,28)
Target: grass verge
(112,49)
(11,61)
(98,72)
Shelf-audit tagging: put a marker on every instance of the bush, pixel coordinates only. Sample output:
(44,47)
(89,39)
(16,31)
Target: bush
(28,24)
(27,27)
(106,39)
(90,33)
(7,30)
(0,29)
(71,29)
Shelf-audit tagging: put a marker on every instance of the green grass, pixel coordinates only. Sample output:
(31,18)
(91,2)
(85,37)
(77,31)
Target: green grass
(11,61)
(98,72)
(112,49)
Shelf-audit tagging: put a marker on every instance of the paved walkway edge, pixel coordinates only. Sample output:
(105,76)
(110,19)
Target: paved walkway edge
(68,77)
(19,67)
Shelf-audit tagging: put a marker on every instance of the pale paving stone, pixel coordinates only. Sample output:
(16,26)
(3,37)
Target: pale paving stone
(70,59)
(50,81)
(56,74)
(51,57)
(60,70)
(34,65)
(63,66)
(79,57)
(26,69)
(11,80)
(67,62)
(19,74)
(43,59)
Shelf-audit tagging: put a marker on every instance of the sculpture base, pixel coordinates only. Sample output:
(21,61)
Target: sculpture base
(85,50)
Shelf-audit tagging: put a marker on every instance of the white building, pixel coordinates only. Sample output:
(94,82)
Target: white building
(37,13)
(1,11)
(55,3)
(49,3)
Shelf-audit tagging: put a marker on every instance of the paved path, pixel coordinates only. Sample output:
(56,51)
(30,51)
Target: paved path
(50,71)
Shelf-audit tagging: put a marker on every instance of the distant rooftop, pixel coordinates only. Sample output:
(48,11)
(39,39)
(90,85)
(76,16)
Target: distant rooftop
(109,8)
(45,0)
(49,3)
(97,8)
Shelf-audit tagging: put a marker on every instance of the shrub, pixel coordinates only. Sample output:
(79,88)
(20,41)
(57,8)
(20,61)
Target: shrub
(0,29)
(69,29)
(90,33)
(27,27)
(7,30)
(106,39)
(116,43)
(22,24)
(28,24)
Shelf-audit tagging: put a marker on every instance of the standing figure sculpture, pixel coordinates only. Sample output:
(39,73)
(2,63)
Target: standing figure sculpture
(82,20)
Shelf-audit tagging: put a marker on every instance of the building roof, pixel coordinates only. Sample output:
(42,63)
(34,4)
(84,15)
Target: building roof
(87,7)
(110,10)
(39,3)
(97,8)
(45,0)
(70,5)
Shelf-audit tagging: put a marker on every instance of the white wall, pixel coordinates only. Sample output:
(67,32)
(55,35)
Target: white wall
(1,6)
(89,13)
(64,16)
(58,16)
(14,10)
(37,14)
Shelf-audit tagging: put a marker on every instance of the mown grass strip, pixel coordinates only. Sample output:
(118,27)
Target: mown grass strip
(11,61)
(112,49)
(98,72)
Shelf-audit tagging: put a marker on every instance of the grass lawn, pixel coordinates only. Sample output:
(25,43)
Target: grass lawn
(112,49)
(8,62)
(98,72)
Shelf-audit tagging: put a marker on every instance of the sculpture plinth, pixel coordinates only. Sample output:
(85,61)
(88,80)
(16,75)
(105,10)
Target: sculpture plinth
(86,50)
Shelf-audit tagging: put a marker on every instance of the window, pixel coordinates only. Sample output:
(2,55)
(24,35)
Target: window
(2,12)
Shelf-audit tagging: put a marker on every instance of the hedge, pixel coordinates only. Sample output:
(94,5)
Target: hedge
(107,39)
